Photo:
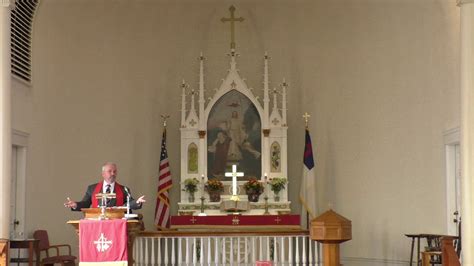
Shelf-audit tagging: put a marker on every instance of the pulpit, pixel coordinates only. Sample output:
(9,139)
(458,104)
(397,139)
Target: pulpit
(3,252)
(133,226)
(331,229)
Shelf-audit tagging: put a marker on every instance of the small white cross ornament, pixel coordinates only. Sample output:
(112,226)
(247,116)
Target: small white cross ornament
(234,174)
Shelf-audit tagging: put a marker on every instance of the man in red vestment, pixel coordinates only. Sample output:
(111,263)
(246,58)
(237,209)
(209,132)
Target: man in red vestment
(108,185)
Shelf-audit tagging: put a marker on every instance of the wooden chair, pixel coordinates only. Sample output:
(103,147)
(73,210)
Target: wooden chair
(51,259)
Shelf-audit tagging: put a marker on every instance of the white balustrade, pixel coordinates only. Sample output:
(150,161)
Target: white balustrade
(225,248)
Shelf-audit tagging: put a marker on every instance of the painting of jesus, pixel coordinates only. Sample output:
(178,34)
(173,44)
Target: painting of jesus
(234,136)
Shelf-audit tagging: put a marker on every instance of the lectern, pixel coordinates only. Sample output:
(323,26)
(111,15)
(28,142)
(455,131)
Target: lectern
(331,229)
(133,226)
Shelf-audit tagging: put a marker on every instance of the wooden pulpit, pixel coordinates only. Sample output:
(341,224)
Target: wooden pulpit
(133,226)
(331,229)
(3,252)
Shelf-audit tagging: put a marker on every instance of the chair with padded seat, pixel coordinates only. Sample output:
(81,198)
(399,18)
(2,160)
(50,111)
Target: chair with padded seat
(51,256)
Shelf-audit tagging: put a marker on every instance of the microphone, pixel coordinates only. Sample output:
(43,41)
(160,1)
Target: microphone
(128,199)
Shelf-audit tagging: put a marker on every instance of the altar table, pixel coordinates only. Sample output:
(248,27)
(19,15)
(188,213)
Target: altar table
(237,222)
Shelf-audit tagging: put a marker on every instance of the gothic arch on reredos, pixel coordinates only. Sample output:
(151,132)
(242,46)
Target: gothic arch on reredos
(234,136)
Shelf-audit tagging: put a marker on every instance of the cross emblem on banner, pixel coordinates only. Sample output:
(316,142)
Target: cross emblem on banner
(193,220)
(234,174)
(102,243)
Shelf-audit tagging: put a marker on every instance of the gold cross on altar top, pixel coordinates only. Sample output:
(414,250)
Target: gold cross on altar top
(232,19)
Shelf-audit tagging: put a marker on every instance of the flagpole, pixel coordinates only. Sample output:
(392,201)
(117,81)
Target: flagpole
(306,117)
(162,209)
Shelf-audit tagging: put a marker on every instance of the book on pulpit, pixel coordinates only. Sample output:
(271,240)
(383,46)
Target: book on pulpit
(235,206)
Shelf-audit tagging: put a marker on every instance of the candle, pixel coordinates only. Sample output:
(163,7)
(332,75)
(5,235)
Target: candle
(202,186)
(266,185)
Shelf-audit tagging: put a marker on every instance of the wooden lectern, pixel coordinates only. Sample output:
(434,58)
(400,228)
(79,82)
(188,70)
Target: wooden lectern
(4,252)
(331,229)
(133,226)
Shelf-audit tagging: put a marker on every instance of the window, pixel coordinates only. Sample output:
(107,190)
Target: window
(21,31)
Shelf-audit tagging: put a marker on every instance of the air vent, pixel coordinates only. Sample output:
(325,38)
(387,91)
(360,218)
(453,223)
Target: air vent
(21,30)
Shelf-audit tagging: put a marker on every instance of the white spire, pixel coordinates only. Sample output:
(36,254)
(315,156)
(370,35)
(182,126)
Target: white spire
(275,106)
(193,109)
(201,92)
(233,64)
(266,98)
(183,104)
(284,85)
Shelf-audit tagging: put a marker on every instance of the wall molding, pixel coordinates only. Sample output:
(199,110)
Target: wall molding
(20,138)
(452,136)
(374,261)
(5,3)
(462,2)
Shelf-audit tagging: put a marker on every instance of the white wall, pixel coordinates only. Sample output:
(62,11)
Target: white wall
(380,80)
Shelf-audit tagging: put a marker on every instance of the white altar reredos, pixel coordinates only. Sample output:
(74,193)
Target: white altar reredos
(255,137)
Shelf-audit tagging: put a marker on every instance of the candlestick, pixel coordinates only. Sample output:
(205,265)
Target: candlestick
(266,185)
(202,186)
(202,213)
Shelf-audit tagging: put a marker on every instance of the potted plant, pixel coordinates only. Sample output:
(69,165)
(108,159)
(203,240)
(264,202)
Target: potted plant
(276,185)
(214,187)
(190,186)
(253,188)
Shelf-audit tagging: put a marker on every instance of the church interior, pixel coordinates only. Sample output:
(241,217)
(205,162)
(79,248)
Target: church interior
(383,81)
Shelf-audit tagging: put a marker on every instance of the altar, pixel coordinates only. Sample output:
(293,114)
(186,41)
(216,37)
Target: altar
(237,222)
(234,127)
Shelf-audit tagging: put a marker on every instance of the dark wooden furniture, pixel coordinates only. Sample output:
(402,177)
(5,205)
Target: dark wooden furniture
(33,252)
(432,240)
(53,257)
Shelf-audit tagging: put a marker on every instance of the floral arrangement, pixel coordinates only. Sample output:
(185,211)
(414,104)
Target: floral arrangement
(190,185)
(214,185)
(253,186)
(277,184)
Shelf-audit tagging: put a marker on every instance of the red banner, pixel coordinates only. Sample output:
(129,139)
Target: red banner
(103,242)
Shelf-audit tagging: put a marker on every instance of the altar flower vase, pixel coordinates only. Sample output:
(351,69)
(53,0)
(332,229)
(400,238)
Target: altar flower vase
(214,187)
(254,189)
(190,186)
(276,196)
(277,184)
(191,197)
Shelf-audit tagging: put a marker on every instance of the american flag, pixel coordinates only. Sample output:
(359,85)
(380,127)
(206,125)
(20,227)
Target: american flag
(162,210)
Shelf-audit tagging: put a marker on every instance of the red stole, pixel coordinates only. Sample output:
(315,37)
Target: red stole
(118,194)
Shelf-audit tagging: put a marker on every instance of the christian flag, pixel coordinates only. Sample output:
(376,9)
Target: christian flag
(103,242)
(162,209)
(308,183)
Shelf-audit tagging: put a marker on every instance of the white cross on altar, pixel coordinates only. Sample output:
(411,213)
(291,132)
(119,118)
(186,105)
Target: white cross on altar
(234,174)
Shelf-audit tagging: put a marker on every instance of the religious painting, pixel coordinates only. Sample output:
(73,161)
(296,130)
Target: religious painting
(275,157)
(192,158)
(234,137)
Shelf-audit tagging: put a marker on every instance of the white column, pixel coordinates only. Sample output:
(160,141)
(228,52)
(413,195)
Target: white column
(5,123)
(467,128)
